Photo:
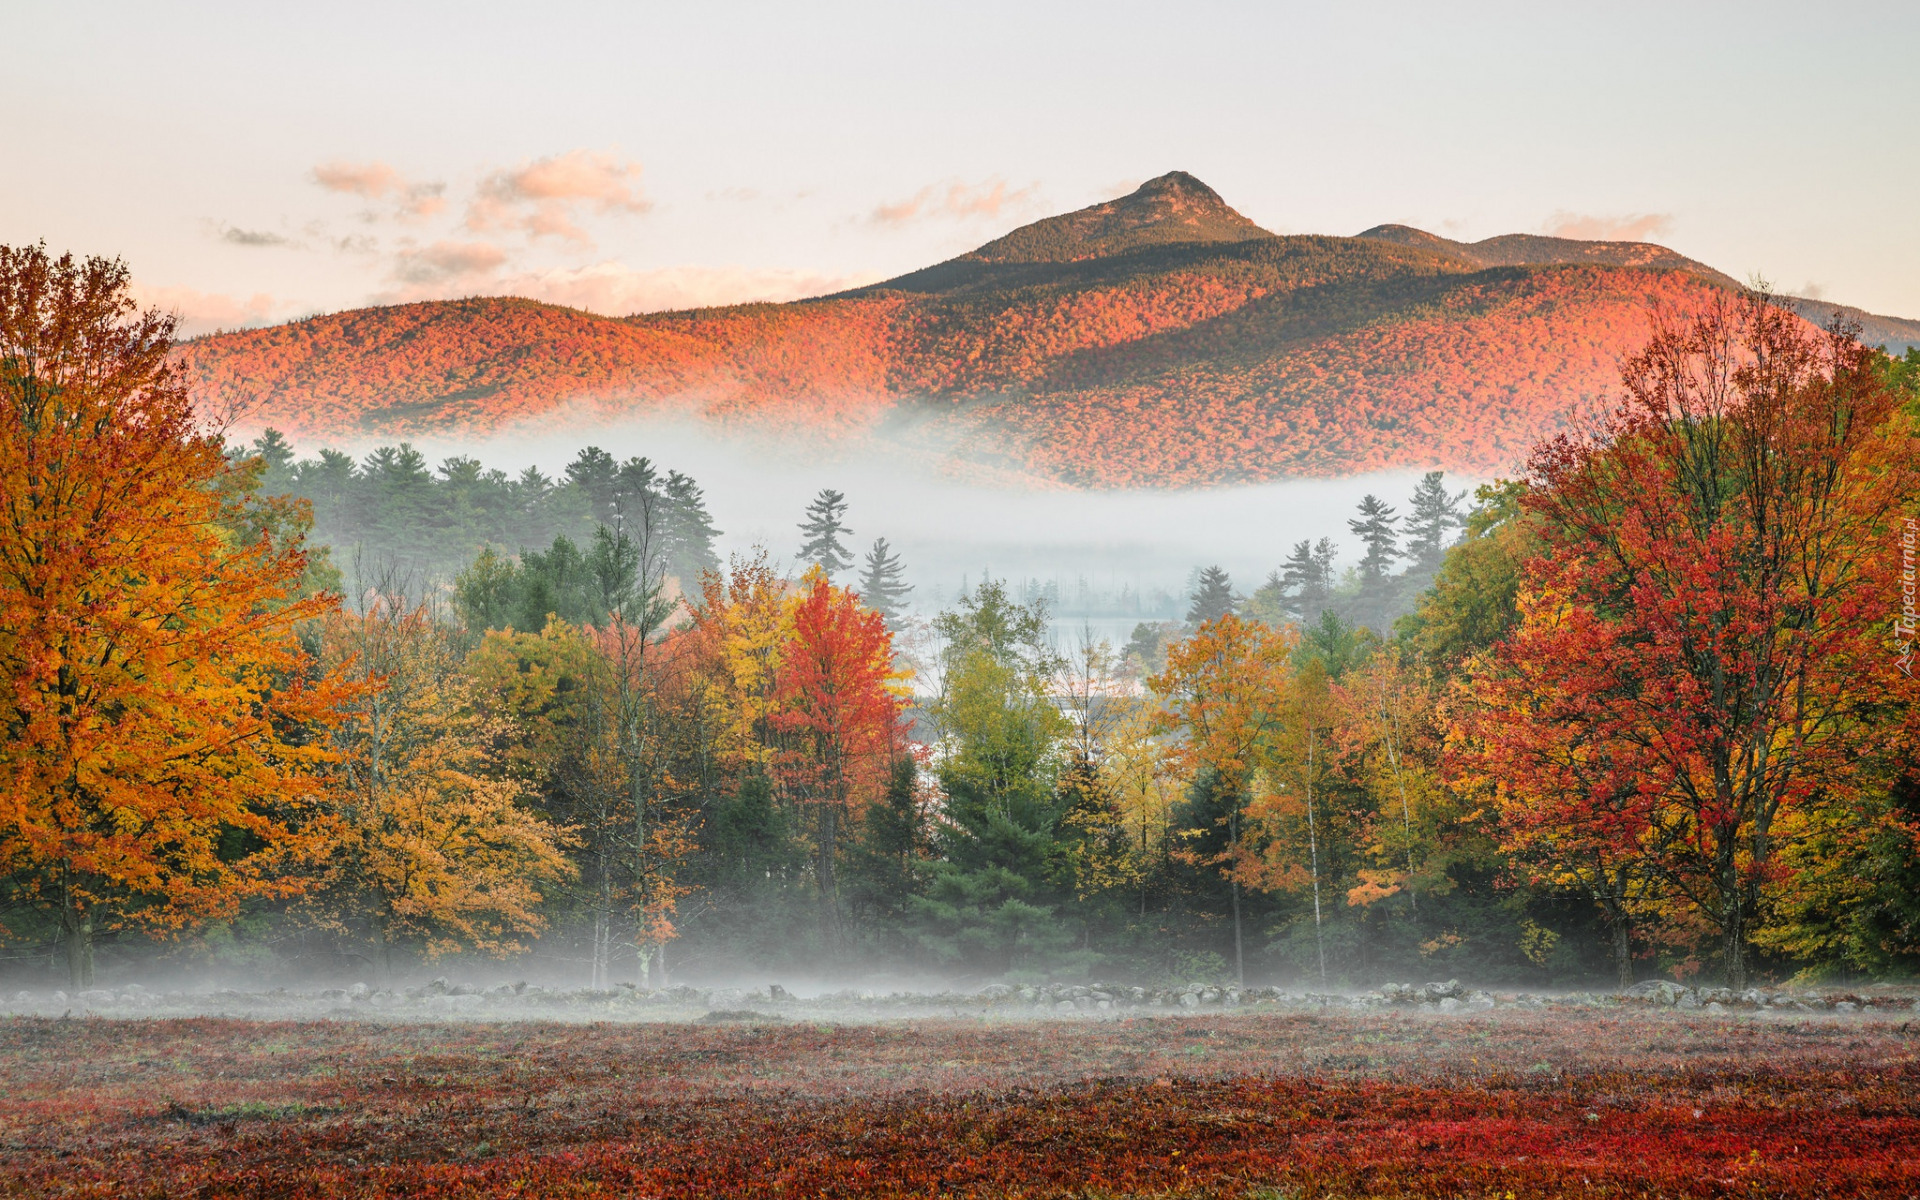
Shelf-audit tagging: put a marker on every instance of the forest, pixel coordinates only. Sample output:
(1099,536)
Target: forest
(1647,709)
(1139,343)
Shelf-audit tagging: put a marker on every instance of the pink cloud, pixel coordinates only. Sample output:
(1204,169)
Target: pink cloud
(378,181)
(1636,227)
(540,198)
(446,262)
(955,200)
(205,312)
(614,289)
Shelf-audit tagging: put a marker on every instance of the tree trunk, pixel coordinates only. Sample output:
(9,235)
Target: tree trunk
(829,888)
(1735,948)
(78,927)
(1239,961)
(1623,950)
(1313,849)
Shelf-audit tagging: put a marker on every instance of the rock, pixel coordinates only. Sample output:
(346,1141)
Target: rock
(1064,1006)
(1687,1000)
(1532,1003)
(463,989)
(1450,1004)
(438,987)
(1479,1001)
(1714,1006)
(1846,1006)
(357,992)
(98,996)
(996,991)
(1189,1000)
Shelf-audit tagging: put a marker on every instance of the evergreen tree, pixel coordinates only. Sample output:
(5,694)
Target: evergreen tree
(822,532)
(990,899)
(273,449)
(635,495)
(689,532)
(883,586)
(886,864)
(1435,512)
(1376,527)
(594,471)
(1305,580)
(1212,597)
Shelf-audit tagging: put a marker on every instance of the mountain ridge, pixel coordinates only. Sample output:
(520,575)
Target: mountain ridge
(1158,339)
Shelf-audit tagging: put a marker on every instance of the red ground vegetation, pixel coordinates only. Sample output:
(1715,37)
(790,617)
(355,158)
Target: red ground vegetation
(1527,1104)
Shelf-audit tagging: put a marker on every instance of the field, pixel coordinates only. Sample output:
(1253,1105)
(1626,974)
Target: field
(1627,1102)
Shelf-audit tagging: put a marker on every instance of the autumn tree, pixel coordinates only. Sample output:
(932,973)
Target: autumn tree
(1709,614)
(1225,690)
(157,759)
(839,691)
(431,845)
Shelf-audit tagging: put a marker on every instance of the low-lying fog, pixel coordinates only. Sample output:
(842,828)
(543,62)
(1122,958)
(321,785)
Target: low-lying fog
(1113,558)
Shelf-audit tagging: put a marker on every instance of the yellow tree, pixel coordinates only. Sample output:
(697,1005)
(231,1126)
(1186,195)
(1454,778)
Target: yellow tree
(1279,810)
(154,699)
(1226,692)
(430,846)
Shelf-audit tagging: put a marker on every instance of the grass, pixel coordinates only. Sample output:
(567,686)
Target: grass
(1633,1104)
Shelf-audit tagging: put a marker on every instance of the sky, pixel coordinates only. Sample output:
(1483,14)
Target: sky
(258,162)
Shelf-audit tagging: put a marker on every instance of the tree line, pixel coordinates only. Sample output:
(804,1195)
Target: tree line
(1643,710)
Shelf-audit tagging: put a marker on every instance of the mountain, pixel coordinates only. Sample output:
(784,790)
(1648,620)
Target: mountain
(1528,249)
(1158,339)
(1897,334)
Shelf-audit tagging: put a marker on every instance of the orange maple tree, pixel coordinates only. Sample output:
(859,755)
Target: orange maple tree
(155,763)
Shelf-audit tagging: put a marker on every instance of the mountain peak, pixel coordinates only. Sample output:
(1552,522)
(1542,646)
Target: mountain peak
(1531,249)
(1170,209)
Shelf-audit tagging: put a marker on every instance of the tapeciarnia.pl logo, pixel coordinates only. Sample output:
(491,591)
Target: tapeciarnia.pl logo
(1908,622)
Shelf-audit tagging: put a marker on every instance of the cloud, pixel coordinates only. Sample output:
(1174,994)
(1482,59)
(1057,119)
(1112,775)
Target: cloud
(445,262)
(955,200)
(614,289)
(541,198)
(204,312)
(254,237)
(1635,227)
(378,181)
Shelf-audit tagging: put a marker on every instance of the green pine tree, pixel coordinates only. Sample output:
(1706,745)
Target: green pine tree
(1434,513)
(1212,597)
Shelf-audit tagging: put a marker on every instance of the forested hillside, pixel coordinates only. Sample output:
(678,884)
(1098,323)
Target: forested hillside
(1158,339)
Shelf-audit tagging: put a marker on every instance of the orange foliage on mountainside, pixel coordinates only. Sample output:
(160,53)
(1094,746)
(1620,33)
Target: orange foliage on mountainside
(1467,384)
(1107,352)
